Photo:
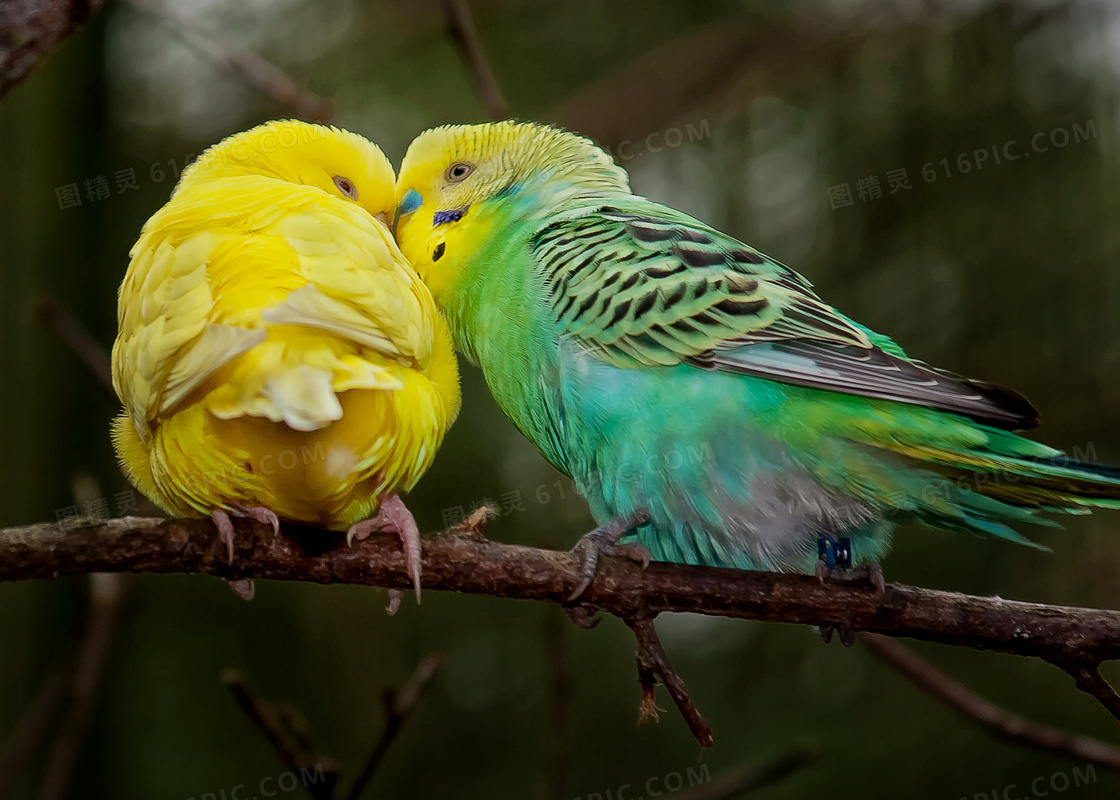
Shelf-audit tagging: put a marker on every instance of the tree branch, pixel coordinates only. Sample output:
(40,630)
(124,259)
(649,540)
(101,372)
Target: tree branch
(58,319)
(34,725)
(399,705)
(1089,680)
(463,33)
(106,592)
(255,71)
(31,29)
(1076,639)
(999,721)
(654,666)
(462,564)
(282,733)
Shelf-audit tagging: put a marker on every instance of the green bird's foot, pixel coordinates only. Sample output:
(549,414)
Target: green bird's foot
(845,629)
(604,541)
(835,564)
(867,573)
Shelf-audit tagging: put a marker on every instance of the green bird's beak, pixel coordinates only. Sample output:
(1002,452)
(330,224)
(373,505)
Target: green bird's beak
(409,203)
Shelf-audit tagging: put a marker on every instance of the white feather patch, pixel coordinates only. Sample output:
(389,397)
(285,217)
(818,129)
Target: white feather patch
(217,346)
(310,307)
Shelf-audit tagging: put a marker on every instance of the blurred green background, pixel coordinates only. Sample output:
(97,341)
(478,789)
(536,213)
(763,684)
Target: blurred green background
(754,116)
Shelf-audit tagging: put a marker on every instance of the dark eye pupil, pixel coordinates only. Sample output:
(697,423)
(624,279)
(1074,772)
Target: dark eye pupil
(346,186)
(459,171)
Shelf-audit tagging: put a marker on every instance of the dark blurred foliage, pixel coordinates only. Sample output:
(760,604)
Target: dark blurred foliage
(1007,272)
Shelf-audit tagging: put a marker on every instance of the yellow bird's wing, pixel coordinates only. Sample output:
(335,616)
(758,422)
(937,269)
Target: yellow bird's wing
(359,286)
(223,261)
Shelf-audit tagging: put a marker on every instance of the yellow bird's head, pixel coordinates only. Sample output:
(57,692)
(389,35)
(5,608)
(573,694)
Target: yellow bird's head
(457,181)
(339,162)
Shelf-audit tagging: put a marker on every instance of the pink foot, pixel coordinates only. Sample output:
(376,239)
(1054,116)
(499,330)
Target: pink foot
(244,588)
(394,517)
(225,531)
(395,597)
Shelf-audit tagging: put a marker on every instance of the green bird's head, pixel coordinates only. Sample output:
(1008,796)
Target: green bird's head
(457,181)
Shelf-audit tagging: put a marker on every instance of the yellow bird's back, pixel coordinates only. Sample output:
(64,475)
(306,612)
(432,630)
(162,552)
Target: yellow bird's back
(275,349)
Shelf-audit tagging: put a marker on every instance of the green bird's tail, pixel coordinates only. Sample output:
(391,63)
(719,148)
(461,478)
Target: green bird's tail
(986,490)
(1060,483)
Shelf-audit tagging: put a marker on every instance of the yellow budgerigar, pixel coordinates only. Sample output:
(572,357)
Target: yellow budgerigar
(278,358)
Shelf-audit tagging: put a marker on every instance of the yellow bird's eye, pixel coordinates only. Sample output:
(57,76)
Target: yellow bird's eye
(346,186)
(457,172)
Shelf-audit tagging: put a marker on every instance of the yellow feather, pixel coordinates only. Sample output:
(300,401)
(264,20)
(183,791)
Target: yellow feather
(275,348)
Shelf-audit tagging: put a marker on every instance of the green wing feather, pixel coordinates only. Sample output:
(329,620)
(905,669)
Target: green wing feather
(644,286)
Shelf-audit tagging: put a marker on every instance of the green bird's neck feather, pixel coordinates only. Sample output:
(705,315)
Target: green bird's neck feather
(497,306)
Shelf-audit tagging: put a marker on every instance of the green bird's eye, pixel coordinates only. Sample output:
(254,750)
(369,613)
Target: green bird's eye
(346,186)
(457,172)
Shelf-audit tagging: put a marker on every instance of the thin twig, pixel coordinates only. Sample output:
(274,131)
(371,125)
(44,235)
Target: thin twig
(255,71)
(106,592)
(32,728)
(998,721)
(1090,681)
(76,336)
(653,665)
(31,29)
(734,783)
(290,744)
(399,706)
(464,34)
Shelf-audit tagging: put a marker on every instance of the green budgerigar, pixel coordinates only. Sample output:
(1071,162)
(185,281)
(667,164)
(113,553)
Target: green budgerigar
(683,378)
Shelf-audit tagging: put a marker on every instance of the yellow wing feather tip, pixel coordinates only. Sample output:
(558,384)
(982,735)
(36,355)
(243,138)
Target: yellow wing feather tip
(275,348)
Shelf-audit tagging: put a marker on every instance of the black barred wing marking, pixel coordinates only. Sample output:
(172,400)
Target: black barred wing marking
(660,288)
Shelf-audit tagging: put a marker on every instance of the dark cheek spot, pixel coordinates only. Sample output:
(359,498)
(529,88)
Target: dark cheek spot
(438,253)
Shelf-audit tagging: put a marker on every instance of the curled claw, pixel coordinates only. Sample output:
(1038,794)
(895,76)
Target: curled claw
(356,534)
(244,588)
(265,516)
(395,597)
(225,531)
(604,539)
(393,517)
(582,616)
